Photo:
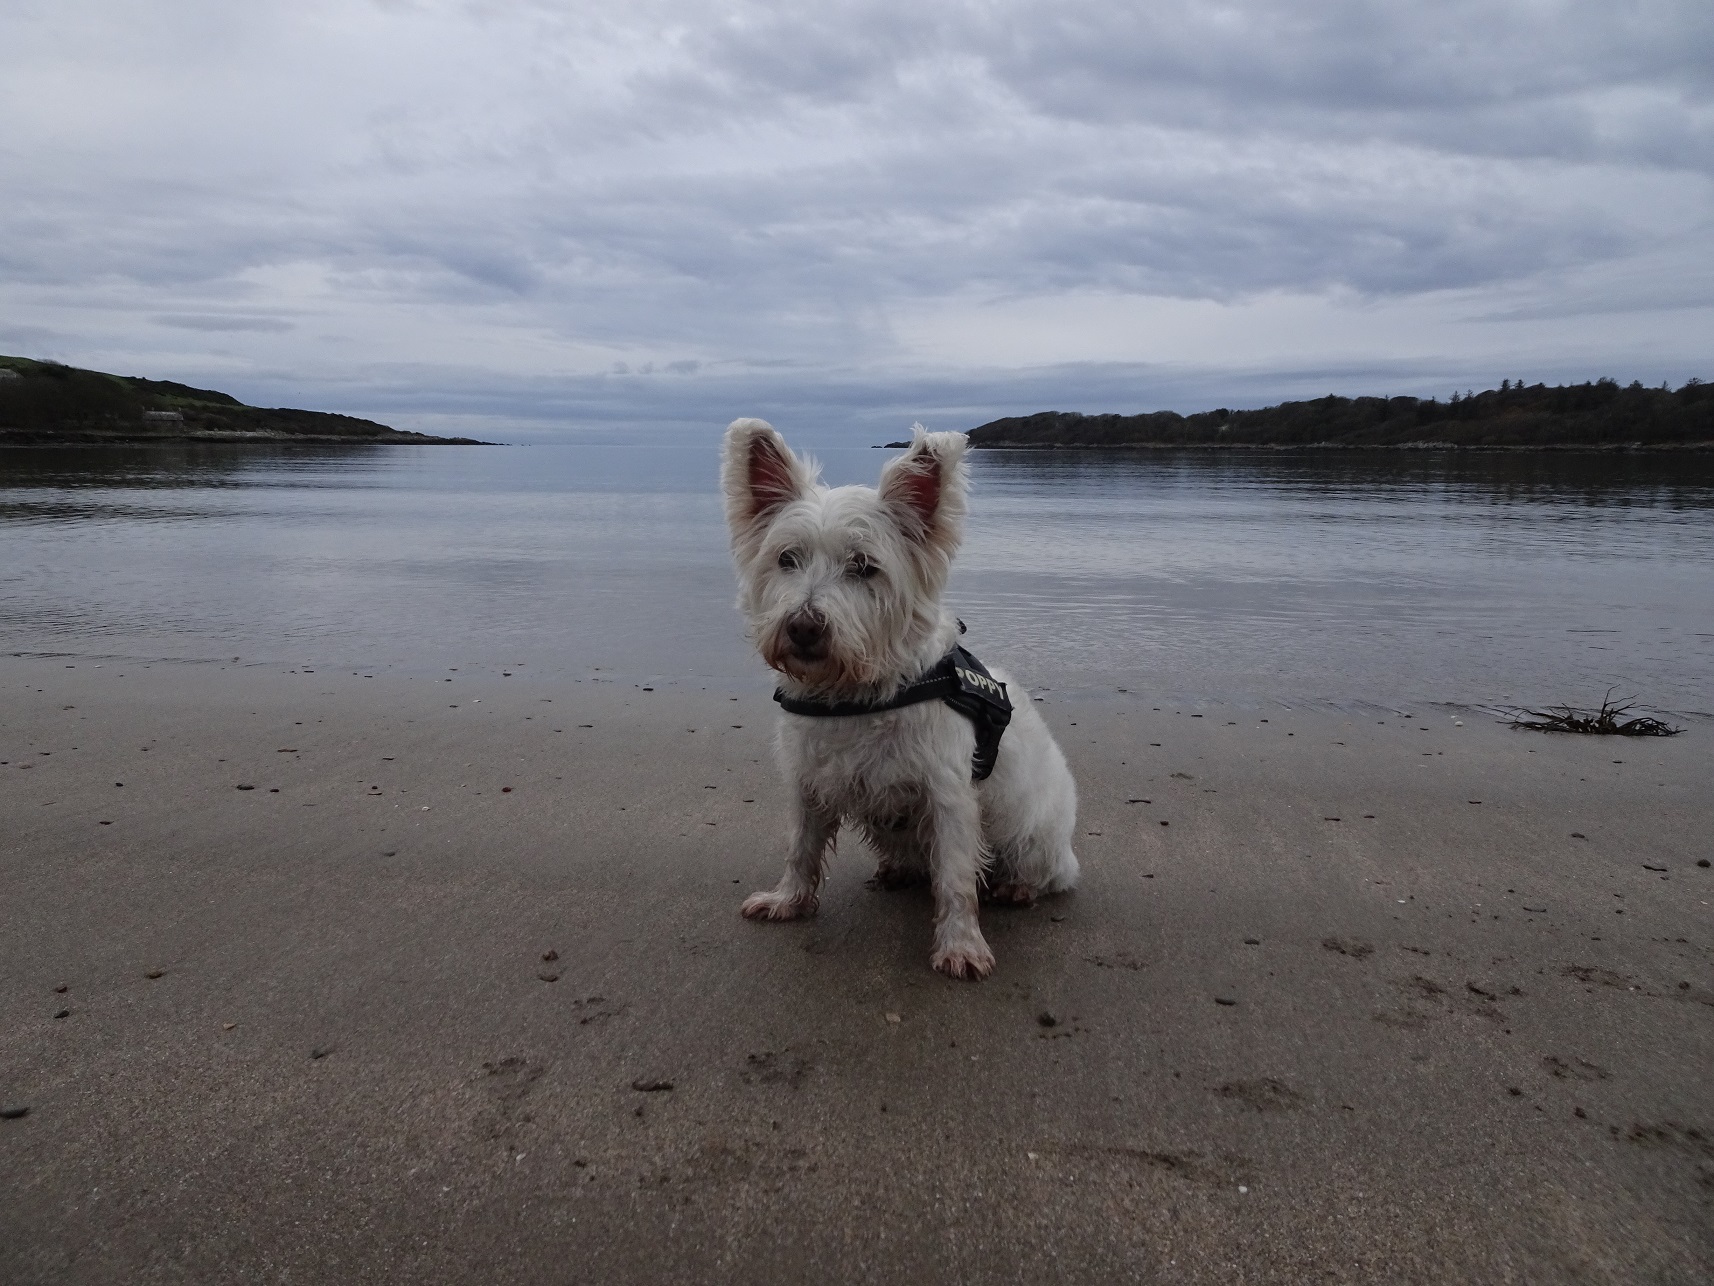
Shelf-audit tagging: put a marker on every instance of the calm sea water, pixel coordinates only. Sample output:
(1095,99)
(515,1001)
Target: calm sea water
(1392,578)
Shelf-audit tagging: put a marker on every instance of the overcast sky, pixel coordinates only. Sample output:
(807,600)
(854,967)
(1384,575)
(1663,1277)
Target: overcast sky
(528,217)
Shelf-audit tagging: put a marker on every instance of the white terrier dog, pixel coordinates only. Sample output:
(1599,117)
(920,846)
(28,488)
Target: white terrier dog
(842,592)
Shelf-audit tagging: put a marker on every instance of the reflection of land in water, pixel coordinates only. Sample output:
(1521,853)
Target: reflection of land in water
(173,465)
(1341,576)
(1385,574)
(1599,477)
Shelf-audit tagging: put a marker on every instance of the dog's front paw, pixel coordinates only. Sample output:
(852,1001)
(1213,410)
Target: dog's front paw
(973,961)
(775,905)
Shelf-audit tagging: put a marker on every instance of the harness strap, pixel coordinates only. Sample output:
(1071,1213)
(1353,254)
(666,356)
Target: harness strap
(958,679)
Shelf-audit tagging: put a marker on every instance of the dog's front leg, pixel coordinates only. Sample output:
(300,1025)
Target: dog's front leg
(955,862)
(812,830)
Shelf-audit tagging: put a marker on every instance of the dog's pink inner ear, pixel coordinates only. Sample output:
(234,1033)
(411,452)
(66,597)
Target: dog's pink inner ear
(772,480)
(918,486)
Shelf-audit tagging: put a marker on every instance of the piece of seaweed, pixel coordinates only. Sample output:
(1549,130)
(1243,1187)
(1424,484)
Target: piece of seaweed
(1608,721)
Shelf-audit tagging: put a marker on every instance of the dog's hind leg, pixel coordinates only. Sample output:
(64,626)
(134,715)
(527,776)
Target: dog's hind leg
(812,830)
(903,861)
(1039,865)
(892,876)
(955,864)
(1011,893)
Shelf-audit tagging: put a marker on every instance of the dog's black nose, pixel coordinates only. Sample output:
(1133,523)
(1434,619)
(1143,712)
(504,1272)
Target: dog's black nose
(807,630)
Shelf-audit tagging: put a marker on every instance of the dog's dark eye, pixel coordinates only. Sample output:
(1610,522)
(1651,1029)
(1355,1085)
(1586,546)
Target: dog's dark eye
(789,560)
(861,568)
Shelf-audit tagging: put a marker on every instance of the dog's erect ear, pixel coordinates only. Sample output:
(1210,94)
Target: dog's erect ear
(759,473)
(925,487)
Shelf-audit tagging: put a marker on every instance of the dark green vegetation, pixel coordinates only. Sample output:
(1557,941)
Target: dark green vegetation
(45,403)
(1601,414)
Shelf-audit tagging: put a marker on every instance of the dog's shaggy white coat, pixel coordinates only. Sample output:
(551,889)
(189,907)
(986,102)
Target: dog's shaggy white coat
(841,589)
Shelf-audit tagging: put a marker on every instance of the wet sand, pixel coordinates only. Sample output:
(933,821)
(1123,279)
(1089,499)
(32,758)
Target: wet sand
(384,1016)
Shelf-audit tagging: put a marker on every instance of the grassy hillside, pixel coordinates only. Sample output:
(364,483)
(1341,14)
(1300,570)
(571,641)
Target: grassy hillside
(42,403)
(1599,414)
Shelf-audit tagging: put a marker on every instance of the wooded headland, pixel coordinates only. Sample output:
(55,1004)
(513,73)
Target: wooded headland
(48,404)
(1596,414)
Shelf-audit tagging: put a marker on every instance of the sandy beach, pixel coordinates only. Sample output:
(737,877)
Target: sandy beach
(393,978)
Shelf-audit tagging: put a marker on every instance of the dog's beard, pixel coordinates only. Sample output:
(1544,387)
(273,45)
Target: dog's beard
(824,666)
(806,665)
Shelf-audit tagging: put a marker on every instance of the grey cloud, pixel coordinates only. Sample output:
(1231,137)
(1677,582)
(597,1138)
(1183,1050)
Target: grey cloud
(218,322)
(1447,73)
(40,340)
(1366,54)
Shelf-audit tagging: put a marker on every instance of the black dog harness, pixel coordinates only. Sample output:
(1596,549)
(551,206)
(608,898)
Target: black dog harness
(958,679)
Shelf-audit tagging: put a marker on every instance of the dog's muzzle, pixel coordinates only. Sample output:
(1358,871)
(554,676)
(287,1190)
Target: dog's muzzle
(806,631)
